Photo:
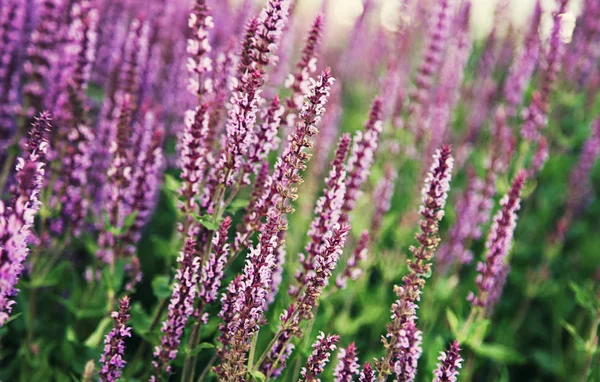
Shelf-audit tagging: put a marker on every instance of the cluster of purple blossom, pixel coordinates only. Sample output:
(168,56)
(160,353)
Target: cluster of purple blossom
(212,90)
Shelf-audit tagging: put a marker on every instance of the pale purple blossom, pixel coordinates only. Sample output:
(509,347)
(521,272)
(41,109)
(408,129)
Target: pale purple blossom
(319,358)
(114,344)
(450,362)
(347,365)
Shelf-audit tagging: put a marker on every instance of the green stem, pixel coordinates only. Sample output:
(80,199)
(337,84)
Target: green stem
(207,368)
(592,342)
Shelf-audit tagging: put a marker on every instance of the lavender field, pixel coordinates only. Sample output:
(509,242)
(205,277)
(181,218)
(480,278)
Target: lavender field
(213,190)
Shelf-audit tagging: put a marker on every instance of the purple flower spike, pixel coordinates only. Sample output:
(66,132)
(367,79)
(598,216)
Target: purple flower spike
(362,157)
(367,374)
(535,117)
(498,244)
(16,219)
(353,268)
(201,22)
(114,344)
(430,64)
(319,358)
(347,365)
(42,54)
(450,362)
(522,68)
(402,341)
(214,267)
(408,352)
(265,140)
(327,212)
(298,82)
(181,308)
(146,181)
(581,190)
(246,300)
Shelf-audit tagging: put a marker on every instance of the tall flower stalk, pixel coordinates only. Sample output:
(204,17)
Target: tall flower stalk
(402,342)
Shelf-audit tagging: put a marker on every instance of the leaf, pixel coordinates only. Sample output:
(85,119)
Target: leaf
(452,321)
(171,183)
(53,277)
(128,222)
(207,222)
(96,337)
(499,353)
(238,204)
(140,320)
(584,298)
(579,341)
(200,347)
(161,287)
(257,376)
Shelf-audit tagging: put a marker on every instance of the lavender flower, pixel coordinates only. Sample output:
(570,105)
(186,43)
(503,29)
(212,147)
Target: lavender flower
(362,157)
(430,64)
(308,299)
(265,139)
(536,116)
(146,181)
(450,362)
(192,159)
(408,351)
(244,314)
(403,338)
(327,212)
(214,267)
(114,344)
(42,54)
(319,358)
(367,374)
(353,270)
(524,64)
(579,194)
(382,196)
(298,82)
(17,218)
(198,48)
(181,307)
(347,365)
(498,243)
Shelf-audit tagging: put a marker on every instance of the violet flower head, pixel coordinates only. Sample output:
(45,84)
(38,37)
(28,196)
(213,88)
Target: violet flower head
(367,374)
(362,157)
(198,47)
(327,211)
(246,300)
(192,156)
(17,218)
(214,267)
(146,180)
(353,270)
(524,64)
(298,81)
(408,352)
(536,115)
(498,243)
(114,344)
(431,61)
(181,307)
(319,358)
(402,341)
(466,226)
(450,362)
(265,139)
(347,365)
(42,53)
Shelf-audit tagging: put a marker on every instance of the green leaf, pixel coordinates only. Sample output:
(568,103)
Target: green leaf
(584,298)
(171,183)
(452,321)
(207,222)
(257,376)
(96,337)
(579,341)
(238,204)
(499,353)
(200,347)
(161,287)
(140,320)
(128,222)
(53,277)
